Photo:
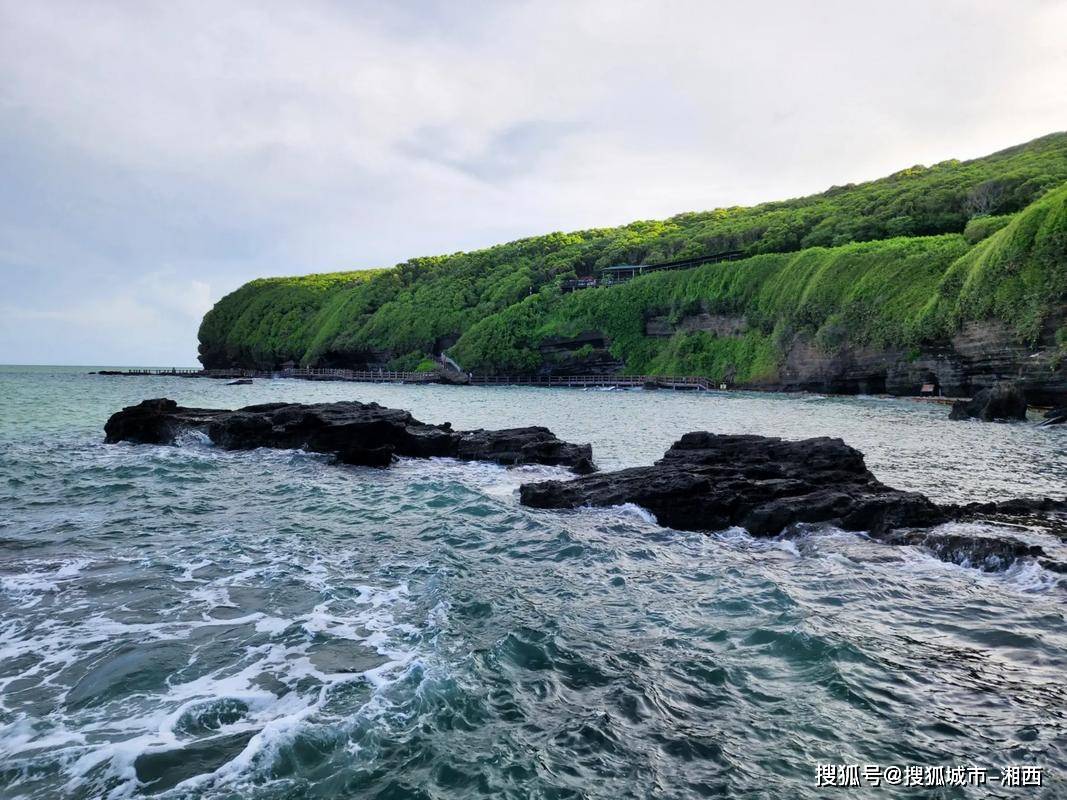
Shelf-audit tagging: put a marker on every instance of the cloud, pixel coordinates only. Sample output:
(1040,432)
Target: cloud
(155,306)
(214,143)
(144,305)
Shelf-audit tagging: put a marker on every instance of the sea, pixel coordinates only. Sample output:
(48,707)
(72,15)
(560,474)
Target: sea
(183,622)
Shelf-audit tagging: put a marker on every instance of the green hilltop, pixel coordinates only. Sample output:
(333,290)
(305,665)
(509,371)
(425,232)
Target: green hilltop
(891,263)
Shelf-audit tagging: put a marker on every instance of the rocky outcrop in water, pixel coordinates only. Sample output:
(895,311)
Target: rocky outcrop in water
(986,553)
(357,433)
(998,403)
(709,482)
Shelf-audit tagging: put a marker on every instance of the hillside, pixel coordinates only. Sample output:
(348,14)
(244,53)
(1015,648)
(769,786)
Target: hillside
(861,288)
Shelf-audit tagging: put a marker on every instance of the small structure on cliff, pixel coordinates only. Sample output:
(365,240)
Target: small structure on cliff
(620,273)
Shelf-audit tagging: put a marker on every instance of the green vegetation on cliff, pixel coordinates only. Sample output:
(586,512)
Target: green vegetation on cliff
(891,262)
(866,293)
(274,320)
(895,293)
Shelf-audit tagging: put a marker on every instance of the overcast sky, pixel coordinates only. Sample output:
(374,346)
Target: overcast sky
(156,155)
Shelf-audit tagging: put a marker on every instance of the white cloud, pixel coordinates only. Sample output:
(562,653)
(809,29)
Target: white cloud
(213,143)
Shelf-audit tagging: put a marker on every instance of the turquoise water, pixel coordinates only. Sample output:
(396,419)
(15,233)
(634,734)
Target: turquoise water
(184,622)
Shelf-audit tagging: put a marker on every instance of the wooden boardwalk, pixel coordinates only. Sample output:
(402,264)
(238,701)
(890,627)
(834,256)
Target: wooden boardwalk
(594,381)
(368,376)
(383,376)
(684,382)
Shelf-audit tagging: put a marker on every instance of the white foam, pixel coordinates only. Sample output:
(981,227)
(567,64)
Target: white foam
(1023,575)
(101,742)
(635,511)
(190,569)
(192,438)
(788,545)
(212,597)
(1028,576)
(271,625)
(275,719)
(29,588)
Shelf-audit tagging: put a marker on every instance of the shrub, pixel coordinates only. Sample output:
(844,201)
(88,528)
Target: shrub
(979,228)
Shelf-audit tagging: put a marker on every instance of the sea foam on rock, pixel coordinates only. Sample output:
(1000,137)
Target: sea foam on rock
(357,433)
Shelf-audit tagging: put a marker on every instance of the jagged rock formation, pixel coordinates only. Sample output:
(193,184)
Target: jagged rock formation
(717,324)
(1000,402)
(987,553)
(709,482)
(704,482)
(357,433)
(587,353)
(978,356)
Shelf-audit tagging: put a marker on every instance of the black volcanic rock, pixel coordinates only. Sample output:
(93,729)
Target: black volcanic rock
(1016,507)
(1056,416)
(986,553)
(1002,401)
(149,422)
(534,445)
(357,433)
(710,482)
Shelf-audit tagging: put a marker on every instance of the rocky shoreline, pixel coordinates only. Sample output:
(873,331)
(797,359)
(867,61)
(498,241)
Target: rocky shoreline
(704,482)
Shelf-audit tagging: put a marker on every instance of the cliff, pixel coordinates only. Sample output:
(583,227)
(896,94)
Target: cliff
(952,275)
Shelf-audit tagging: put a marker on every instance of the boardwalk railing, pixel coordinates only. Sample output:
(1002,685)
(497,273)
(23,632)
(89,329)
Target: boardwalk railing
(387,376)
(599,381)
(172,371)
(377,376)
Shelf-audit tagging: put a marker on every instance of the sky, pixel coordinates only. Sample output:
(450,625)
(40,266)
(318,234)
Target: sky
(154,156)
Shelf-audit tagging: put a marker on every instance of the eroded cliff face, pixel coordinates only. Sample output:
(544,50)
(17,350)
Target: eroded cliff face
(979,355)
(717,324)
(586,354)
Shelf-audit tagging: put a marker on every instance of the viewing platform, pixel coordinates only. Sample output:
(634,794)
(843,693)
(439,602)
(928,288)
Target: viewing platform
(621,273)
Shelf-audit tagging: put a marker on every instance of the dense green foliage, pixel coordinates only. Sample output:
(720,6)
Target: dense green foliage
(893,293)
(982,227)
(273,320)
(867,293)
(858,261)
(1018,275)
